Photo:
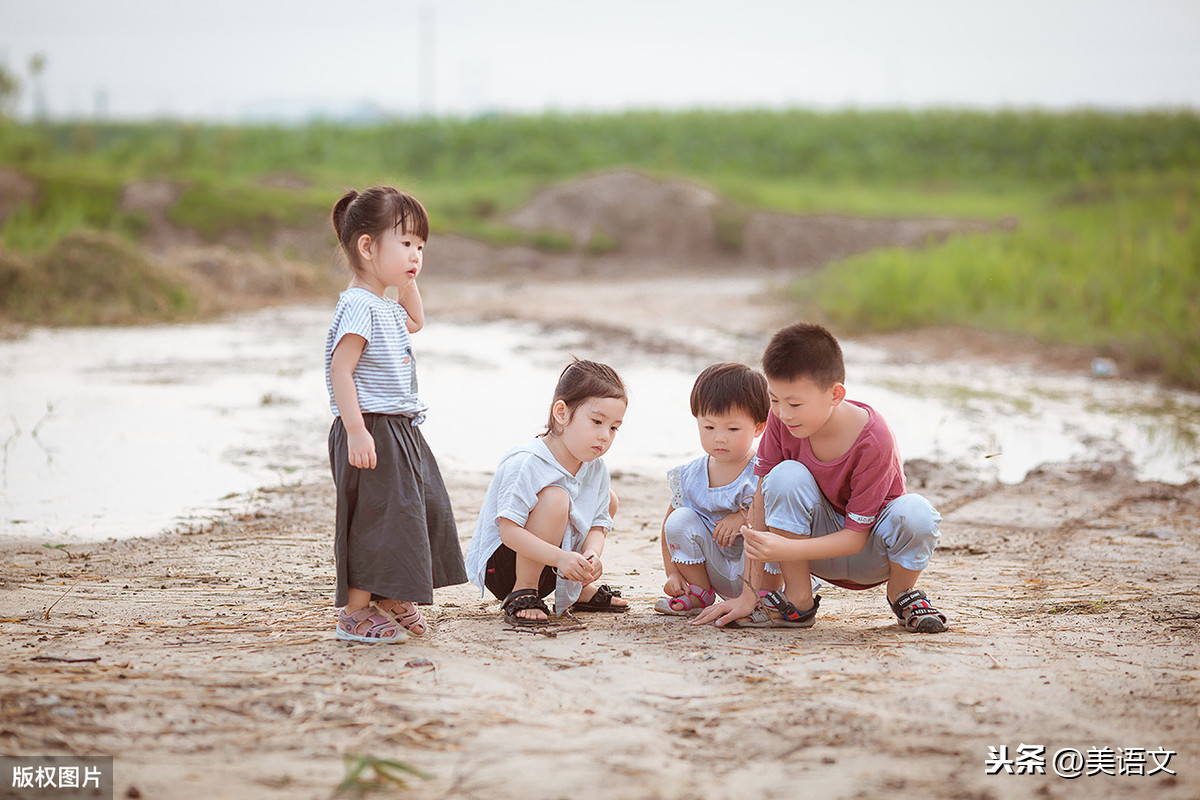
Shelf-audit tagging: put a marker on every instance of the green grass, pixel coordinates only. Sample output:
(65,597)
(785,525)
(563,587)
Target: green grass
(883,147)
(1115,267)
(215,208)
(1104,253)
(69,198)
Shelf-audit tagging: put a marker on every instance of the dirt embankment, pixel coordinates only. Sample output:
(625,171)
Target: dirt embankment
(645,228)
(650,227)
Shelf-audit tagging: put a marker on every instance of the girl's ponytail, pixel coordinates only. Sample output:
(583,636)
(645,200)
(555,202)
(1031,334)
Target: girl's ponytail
(339,211)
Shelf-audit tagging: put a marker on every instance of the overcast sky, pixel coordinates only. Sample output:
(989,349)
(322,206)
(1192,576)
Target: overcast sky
(224,60)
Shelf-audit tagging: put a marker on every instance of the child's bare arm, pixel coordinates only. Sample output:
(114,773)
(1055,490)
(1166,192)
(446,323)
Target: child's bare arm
(767,546)
(341,375)
(758,509)
(410,298)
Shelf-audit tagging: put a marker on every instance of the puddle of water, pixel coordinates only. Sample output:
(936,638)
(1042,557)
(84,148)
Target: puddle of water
(127,431)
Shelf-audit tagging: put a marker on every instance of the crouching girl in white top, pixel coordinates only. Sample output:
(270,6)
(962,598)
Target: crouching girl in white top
(549,507)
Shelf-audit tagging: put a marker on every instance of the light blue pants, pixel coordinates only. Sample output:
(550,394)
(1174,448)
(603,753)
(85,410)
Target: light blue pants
(690,541)
(905,533)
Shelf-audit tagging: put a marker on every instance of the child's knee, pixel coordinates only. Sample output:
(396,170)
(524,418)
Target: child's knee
(683,525)
(790,497)
(551,512)
(915,525)
(613,504)
(917,516)
(787,478)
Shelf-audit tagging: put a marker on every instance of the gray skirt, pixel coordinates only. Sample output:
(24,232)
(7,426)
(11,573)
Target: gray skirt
(395,535)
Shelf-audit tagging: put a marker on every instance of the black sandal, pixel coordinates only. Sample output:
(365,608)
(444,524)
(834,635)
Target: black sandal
(520,600)
(774,610)
(601,601)
(916,613)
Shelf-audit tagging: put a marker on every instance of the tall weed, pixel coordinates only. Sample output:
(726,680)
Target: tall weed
(1116,273)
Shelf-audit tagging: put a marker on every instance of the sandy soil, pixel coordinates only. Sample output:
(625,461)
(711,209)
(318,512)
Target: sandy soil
(207,666)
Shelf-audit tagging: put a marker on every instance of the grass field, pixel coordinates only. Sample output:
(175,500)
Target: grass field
(1104,253)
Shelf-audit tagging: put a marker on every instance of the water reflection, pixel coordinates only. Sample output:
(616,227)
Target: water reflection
(121,432)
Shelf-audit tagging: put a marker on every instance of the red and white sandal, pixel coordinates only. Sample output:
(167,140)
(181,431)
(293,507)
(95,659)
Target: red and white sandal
(688,604)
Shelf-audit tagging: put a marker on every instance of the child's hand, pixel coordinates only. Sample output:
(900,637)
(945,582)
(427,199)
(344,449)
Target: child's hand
(675,586)
(727,611)
(728,529)
(764,545)
(597,567)
(362,449)
(574,567)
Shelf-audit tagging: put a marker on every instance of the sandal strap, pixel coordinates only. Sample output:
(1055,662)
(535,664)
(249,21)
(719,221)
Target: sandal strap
(703,598)
(517,595)
(604,595)
(380,628)
(523,599)
(914,604)
(778,601)
(413,617)
(409,619)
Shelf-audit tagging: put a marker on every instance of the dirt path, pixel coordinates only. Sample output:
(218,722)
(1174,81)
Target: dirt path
(1073,600)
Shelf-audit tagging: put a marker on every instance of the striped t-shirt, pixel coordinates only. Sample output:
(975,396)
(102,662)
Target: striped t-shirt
(386,375)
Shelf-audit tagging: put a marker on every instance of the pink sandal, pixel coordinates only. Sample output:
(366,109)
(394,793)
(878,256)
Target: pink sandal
(367,625)
(410,619)
(688,604)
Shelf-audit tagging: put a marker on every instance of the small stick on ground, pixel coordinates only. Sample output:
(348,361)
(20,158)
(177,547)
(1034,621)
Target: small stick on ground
(59,600)
(552,632)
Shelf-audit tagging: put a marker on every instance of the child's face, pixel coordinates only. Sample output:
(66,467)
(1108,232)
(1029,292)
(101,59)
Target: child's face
(728,437)
(802,405)
(395,258)
(590,430)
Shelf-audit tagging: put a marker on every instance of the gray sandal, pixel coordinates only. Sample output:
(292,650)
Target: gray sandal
(774,610)
(914,611)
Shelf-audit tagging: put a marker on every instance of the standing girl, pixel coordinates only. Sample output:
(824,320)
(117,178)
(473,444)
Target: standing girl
(395,539)
(549,506)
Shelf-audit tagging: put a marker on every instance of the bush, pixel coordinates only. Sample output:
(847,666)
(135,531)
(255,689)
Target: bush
(90,278)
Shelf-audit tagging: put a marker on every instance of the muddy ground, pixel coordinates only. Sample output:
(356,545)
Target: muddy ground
(204,660)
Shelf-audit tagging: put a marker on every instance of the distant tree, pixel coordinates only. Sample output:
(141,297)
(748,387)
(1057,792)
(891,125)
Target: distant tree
(37,65)
(10,91)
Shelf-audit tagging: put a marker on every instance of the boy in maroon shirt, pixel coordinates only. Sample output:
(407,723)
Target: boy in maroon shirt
(830,500)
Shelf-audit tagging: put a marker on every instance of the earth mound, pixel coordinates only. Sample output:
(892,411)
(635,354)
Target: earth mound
(675,223)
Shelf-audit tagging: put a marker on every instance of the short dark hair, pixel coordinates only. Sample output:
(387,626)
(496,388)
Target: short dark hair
(724,387)
(581,380)
(374,212)
(804,350)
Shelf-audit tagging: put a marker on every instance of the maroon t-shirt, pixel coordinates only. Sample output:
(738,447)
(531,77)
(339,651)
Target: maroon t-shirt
(859,484)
